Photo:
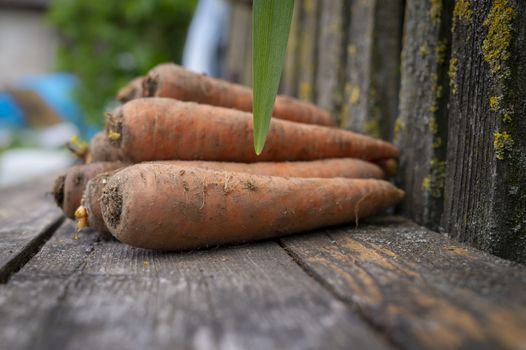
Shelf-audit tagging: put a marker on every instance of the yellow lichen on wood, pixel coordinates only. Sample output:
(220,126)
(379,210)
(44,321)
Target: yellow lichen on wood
(355,94)
(495,47)
(502,143)
(435,11)
(434,183)
(452,73)
(423,50)
(440,51)
(462,12)
(494,103)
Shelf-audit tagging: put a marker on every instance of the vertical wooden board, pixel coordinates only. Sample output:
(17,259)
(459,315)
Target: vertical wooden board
(308,49)
(421,289)
(485,193)
(28,217)
(373,58)
(91,293)
(331,55)
(421,128)
(236,58)
(289,81)
(385,78)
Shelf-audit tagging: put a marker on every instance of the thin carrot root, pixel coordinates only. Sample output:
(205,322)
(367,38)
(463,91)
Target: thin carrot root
(173,81)
(178,210)
(189,131)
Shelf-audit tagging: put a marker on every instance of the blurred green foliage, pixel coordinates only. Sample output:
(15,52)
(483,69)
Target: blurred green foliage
(107,43)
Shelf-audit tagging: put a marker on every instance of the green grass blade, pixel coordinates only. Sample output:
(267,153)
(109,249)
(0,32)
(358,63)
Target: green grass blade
(270,32)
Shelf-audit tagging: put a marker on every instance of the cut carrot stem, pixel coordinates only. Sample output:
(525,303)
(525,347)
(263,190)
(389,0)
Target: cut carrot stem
(167,207)
(69,187)
(173,81)
(102,150)
(166,129)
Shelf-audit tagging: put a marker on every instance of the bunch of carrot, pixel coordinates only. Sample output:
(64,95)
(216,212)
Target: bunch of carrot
(175,168)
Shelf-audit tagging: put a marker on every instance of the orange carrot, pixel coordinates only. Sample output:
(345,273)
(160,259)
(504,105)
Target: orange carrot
(131,91)
(345,167)
(165,129)
(102,150)
(170,80)
(69,187)
(167,207)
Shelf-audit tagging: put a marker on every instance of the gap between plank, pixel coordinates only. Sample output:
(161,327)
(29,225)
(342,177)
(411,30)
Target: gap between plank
(382,332)
(31,249)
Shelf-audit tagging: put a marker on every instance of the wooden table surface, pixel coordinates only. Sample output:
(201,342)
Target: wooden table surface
(387,284)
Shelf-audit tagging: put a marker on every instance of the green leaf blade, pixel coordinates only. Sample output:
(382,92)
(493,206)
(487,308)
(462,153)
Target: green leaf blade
(270,32)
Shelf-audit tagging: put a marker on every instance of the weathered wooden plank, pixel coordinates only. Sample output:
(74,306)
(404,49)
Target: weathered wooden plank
(289,80)
(373,60)
(309,18)
(28,217)
(485,192)
(331,55)
(236,55)
(90,294)
(420,288)
(421,130)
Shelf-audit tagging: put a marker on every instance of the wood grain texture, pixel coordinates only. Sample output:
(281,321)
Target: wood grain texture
(308,48)
(485,190)
(418,287)
(238,47)
(28,217)
(373,59)
(90,294)
(289,79)
(421,128)
(331,55)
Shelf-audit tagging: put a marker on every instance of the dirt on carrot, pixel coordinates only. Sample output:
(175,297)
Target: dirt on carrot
(162,215)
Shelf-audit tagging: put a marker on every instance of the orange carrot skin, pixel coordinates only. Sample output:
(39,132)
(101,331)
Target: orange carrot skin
(166,207)
(102,150)
(75,182)
(130,91)
(345,167)
(173,81)
(338,167)
(166,129)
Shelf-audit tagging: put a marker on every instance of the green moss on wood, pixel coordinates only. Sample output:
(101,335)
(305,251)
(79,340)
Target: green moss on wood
(423,51)
(502,143)
(495,47)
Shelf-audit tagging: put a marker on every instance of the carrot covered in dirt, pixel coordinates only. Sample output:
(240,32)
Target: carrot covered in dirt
(167,207)
(171,80)
(351,168)
(131,91)
(165,129)
(102,150)
(69,187)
